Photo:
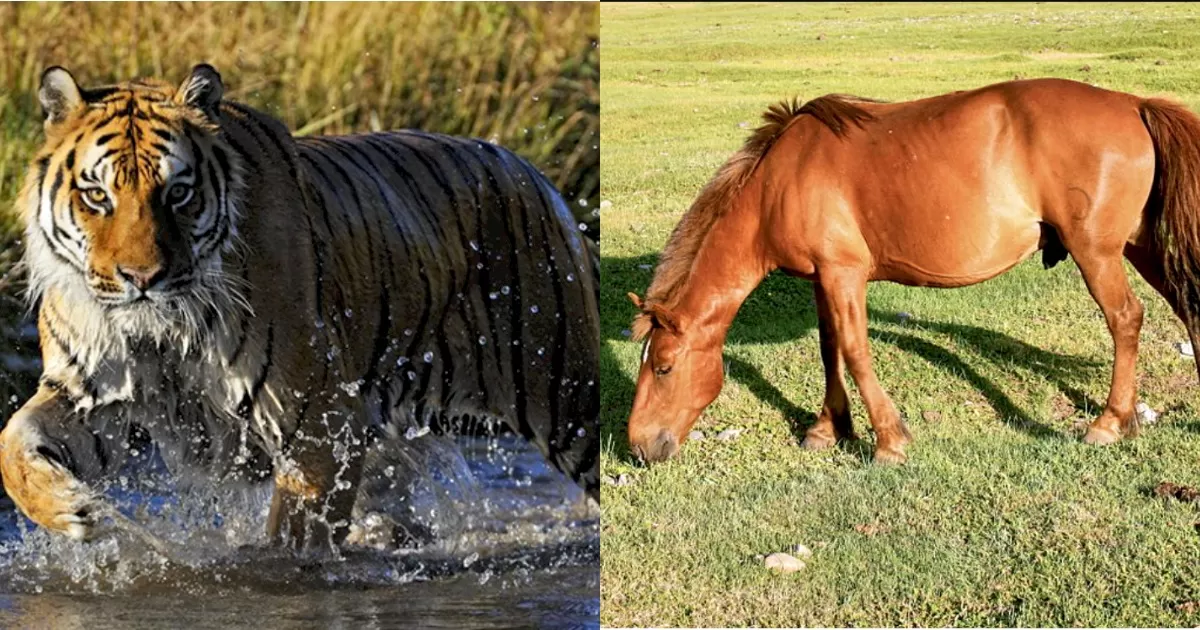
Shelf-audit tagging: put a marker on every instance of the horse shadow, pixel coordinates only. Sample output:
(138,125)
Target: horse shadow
(760,322)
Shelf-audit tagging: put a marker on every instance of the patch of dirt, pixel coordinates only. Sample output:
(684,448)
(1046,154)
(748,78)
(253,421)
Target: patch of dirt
(1061,407)
(872,529)
(1186,494)
(1059,55)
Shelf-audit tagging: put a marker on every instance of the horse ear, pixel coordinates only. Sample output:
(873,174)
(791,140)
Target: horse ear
(202,89)
(59,95)
(637,301)
(664,317)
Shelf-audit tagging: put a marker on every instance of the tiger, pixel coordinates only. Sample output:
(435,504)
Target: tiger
(267,306)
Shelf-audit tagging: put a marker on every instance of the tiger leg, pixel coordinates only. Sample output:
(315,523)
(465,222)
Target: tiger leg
(316,482)
(40,448)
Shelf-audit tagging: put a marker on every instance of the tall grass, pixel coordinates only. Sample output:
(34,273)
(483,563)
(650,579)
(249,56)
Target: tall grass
(524,75)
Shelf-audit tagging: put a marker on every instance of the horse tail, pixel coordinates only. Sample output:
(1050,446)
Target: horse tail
(1172,215)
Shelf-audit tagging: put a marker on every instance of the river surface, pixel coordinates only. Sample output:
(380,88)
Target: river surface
(514,545)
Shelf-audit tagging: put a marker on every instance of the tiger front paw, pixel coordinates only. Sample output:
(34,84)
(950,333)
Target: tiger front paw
(37,479)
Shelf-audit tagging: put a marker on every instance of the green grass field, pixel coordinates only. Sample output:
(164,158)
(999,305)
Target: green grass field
(1002,516)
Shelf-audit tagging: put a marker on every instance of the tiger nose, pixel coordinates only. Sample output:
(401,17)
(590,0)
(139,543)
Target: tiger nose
(141,277)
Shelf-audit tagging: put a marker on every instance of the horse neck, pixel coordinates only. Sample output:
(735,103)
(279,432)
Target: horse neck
(730,264)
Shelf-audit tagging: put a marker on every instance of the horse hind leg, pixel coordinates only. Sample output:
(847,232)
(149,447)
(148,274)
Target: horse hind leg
(845,296)
(1149,267)
(1106,281)
(834,421)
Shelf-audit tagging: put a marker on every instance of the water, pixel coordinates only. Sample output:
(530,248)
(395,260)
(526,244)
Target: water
(516,545)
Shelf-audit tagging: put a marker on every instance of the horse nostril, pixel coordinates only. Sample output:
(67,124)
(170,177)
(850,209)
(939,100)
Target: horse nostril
(665,445)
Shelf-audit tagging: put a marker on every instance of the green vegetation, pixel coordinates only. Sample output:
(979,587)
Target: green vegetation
(1002,517)
(523,75)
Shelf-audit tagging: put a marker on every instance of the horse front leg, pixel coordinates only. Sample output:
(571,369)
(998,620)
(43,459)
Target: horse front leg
(316,482)
(845,297)
(1105,279)
(834,421)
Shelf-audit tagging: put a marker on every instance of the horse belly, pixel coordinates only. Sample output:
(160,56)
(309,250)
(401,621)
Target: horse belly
(954,248)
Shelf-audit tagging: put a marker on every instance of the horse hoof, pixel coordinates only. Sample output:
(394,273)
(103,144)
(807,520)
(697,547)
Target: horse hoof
(890,457)
(1100,436)
(817,442)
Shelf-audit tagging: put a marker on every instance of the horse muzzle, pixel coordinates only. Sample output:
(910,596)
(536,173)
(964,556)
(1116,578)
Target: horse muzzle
(660,448)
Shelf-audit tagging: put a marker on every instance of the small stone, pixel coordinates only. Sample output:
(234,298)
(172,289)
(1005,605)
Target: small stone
(626,333)
(821,37)
(1146,414)
(696,436)
(645,267)
(932,417)
(608,480)
(623,480)
(802,551)
(1185,348)
(903,316)
(1160,62)
(729,435)
(783,563)
(743,125)
(1085,69)
(605,205)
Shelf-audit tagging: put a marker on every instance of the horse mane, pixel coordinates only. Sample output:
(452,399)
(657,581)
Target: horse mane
(838,112)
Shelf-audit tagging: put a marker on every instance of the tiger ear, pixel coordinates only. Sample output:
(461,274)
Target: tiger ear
(59,95)
(202,89)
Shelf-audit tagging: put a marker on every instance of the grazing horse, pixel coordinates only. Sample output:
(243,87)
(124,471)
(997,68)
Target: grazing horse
(945,191)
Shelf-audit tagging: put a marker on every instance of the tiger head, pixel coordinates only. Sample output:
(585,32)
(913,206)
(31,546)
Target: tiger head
(133,198)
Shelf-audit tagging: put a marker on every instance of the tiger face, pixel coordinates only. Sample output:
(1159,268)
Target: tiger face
(134,193)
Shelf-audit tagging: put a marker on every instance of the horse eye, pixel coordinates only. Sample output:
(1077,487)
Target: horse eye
(662,370)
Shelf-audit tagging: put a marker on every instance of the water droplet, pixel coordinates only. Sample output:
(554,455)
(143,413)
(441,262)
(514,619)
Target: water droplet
(413,432)
(348,313)
(570,277)
(408,332)
(493,295)
(474,245)
(505,290)
(482,340)
(479,265)
(534,309)
(581,432)
(583,202)
(412,376)
(401,361)
(582,227)
(541,351)
(428,356)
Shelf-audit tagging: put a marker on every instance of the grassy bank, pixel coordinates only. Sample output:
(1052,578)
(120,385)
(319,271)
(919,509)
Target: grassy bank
(523,75)
(1002,516)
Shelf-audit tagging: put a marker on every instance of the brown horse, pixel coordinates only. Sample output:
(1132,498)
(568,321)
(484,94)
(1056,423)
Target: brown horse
(946,191)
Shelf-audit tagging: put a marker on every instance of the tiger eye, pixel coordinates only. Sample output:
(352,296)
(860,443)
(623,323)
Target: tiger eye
(178,194)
